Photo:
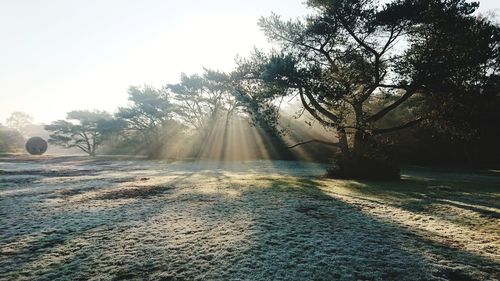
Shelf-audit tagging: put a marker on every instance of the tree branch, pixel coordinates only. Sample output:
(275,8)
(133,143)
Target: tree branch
(312,111)
(295,42)
(318,141)
(397,128)
(404,87)
(356,38)
(82,148)
(318,107)
(392,37)
(392,106)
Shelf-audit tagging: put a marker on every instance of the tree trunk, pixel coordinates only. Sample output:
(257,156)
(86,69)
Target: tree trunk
(359,143)
(343,144)
(360,162)
(222,155)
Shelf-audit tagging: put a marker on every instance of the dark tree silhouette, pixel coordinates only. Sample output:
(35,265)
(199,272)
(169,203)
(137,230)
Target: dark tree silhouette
(432,56)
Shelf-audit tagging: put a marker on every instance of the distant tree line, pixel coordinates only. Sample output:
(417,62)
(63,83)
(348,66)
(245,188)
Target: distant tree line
(152,117)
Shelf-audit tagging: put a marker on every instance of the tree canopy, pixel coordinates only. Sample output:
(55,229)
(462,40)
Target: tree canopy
(82,129)
(202,100)
(432,56)
(149,109)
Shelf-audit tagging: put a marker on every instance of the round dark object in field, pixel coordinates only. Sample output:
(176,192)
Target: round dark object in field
(36,146)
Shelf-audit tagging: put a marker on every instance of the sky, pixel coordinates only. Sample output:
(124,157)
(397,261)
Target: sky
(63,55)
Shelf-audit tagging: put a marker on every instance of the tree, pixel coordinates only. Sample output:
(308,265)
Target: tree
(202,100)
(147,117)
(82,129)
(206,104)
(433,56)
(19,120)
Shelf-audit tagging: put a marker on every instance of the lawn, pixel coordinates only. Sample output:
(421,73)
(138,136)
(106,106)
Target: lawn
(76,218)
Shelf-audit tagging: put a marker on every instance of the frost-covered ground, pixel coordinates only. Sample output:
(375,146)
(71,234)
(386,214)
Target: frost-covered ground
(73,218)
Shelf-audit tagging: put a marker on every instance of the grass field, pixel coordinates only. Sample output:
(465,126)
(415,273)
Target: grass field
(76,218)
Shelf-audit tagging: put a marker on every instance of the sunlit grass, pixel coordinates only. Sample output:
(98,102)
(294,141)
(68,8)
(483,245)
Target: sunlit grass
(252,220)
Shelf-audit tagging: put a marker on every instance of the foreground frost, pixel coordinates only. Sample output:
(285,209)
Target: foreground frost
(112,219)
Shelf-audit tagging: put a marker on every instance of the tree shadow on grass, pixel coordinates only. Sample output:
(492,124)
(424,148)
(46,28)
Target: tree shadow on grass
(376,247)
(282,228)
(300,233)
(417,194)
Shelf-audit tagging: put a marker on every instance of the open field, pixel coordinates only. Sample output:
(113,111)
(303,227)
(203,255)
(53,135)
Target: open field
(74,218)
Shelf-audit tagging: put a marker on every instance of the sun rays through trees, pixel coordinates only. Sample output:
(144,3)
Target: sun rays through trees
(340,85)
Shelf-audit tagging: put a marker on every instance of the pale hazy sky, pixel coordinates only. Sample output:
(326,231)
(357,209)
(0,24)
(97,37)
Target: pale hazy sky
(62,55)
